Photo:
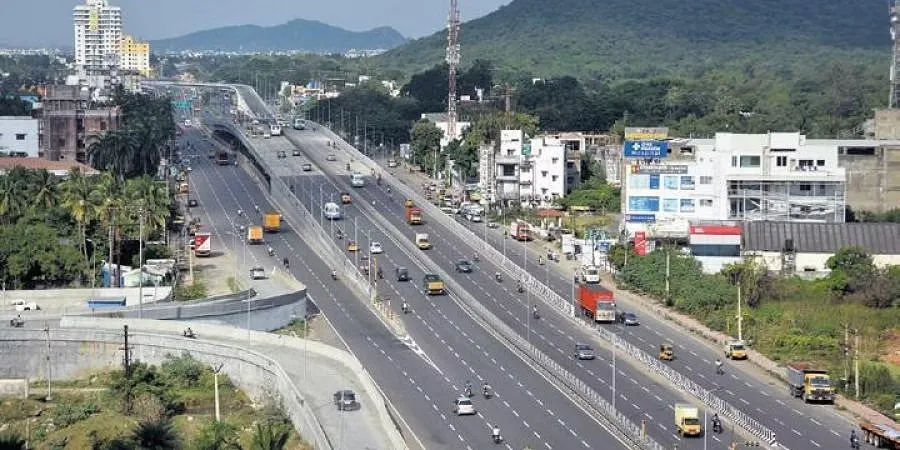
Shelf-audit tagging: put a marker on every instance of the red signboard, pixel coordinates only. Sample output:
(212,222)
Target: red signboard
(640,243)
(717,230)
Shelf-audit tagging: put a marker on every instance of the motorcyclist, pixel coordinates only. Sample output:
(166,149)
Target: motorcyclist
(495,434)
(717,426)
(339,234)
(270,250)
(475,257)
(380,273)
(485,389)
(519,286)
(240,212)
(334,275)
(498,276)
(468,388)
(286,263)
(404,307)
(534,312)
(719,366)
(854,439)
(256,207)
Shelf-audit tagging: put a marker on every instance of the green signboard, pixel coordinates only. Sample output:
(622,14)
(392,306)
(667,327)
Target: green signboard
(526,149)
(185,104)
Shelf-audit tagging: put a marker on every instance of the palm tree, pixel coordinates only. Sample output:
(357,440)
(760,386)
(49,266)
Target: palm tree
(11,442)
(155,435)
(110,206)
(152,198)
(44,191)
(80,200)
(269,437)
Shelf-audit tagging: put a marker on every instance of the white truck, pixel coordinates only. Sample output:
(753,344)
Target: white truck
(591,274)
(22,305)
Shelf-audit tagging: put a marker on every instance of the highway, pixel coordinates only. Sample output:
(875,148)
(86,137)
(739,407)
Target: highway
(422,386)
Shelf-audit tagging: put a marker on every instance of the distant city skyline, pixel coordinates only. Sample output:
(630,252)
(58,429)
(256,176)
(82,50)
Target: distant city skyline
(48,23)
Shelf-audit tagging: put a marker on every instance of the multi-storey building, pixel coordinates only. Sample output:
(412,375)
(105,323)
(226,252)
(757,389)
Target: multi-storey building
(70,124)
(134,56)
(98,36)
(18,136)
(733,177)
(525,172)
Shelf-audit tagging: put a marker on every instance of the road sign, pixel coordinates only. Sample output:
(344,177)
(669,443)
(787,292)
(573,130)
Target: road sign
(645,149)
(183,104)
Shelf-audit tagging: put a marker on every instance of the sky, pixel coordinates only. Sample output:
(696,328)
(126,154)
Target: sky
(37,23)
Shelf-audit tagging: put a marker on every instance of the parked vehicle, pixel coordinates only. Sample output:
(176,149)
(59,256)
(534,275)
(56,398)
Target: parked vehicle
(736,350)
(22,305)
(597,302)
(345,400)
(881,436)
(202,243)
(810,384)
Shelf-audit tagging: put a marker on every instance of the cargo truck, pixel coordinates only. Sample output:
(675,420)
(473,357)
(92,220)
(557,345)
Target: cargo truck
(413,215)
(880,436)
(687,420)
(810,384)
(422,241)
(272,221)
(255,234)
(597,302)
(202,243)
(520,230)
(434,285)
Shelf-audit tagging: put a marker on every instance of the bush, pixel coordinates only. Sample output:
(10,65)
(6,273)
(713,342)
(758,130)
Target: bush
(193,291)
(67,413)
(182,371)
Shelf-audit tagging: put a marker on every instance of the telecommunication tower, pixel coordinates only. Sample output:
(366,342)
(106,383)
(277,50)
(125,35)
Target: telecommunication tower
(895,54)
(453,64)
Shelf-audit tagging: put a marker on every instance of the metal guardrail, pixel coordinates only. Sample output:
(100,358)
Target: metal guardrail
(724,409)
(315,233)
(626,428)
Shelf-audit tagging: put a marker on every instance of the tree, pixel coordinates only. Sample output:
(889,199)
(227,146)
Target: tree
(852,270)
(269,437)
(217,435)
(81,201)
(156,435)
(426,145)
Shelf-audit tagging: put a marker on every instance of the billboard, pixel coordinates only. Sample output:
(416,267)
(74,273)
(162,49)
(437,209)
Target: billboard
(646,134)
(659,169)
(645,149)
(640,218)
(640,243)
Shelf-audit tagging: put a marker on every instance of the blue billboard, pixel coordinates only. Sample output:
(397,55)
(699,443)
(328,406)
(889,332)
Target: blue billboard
(643,204)
(640,218)
(645,149)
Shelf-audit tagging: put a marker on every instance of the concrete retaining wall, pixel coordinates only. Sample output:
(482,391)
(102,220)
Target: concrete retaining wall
(351,365)
(74,299)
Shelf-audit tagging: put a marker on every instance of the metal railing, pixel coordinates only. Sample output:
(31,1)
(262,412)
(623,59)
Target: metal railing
(682,382)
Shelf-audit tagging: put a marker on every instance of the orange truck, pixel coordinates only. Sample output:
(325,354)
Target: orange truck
(597,302)
(413,215)
(520,230)
(272,222)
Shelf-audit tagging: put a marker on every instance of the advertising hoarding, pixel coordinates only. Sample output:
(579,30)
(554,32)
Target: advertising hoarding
(646,134)
(640,218)
(659,169)
(645,149)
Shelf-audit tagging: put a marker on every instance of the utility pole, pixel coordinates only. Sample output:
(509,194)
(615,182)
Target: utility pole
(856,362)
(740,316)
(126,363)
(667,276)
(452,59)
(216,370)
(141,264)
(846,354)
(49,365)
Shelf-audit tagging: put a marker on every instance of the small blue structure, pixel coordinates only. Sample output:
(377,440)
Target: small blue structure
(106,303)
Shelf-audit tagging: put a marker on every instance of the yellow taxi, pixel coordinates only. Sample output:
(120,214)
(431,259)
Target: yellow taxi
(409,203)
(352,246)
(345,198)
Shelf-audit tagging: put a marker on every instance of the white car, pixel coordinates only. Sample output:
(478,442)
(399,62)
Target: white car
(22,305)
(463,406)
(257,273)
(376,248)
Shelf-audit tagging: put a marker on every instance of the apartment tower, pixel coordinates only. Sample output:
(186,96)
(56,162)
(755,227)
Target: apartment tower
(98,37)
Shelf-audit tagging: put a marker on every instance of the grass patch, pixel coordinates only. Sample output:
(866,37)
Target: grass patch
(233,285)
(193,291)
(297,327)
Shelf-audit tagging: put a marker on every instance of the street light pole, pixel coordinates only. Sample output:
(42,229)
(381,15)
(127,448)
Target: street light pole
(141,264)
(216,370)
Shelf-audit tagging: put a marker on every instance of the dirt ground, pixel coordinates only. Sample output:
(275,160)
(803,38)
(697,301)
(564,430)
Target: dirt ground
(891,352)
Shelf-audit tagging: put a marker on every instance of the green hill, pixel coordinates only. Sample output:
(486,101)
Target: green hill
(642,38)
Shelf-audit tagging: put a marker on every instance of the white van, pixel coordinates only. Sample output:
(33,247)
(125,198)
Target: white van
(333,211)
(591,274)
(275,130)
(357,179)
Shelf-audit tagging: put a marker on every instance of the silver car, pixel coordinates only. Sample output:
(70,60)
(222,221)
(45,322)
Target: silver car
(583,351)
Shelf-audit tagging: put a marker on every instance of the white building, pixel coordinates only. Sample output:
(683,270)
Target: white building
(733,177)
(441,121)
(526,172)
(98,36)
(19,136)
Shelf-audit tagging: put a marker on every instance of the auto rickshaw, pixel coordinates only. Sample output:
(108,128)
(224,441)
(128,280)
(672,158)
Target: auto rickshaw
(409,203)
(345,198)
(352,246)
(666,353)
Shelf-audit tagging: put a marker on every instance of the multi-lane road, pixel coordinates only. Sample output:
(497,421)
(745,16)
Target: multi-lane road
(457,348)
(421,385)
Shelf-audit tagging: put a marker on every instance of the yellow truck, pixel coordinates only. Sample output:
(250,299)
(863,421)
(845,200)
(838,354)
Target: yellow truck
(434,285)
(736,350)
(687,420)
(272,221)
(255,234)
(422,241)
(810,384)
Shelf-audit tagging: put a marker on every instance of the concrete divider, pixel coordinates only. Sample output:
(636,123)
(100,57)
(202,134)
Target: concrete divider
(207,332)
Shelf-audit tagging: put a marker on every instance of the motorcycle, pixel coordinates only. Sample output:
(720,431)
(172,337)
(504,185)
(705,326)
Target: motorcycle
(189,333)
(498,277)
(405,308)
(520,288)
(536,314)
(475,257)
(497,438)
(468,392)
(334,275)
(717,426)
(486,392)
(270,251)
